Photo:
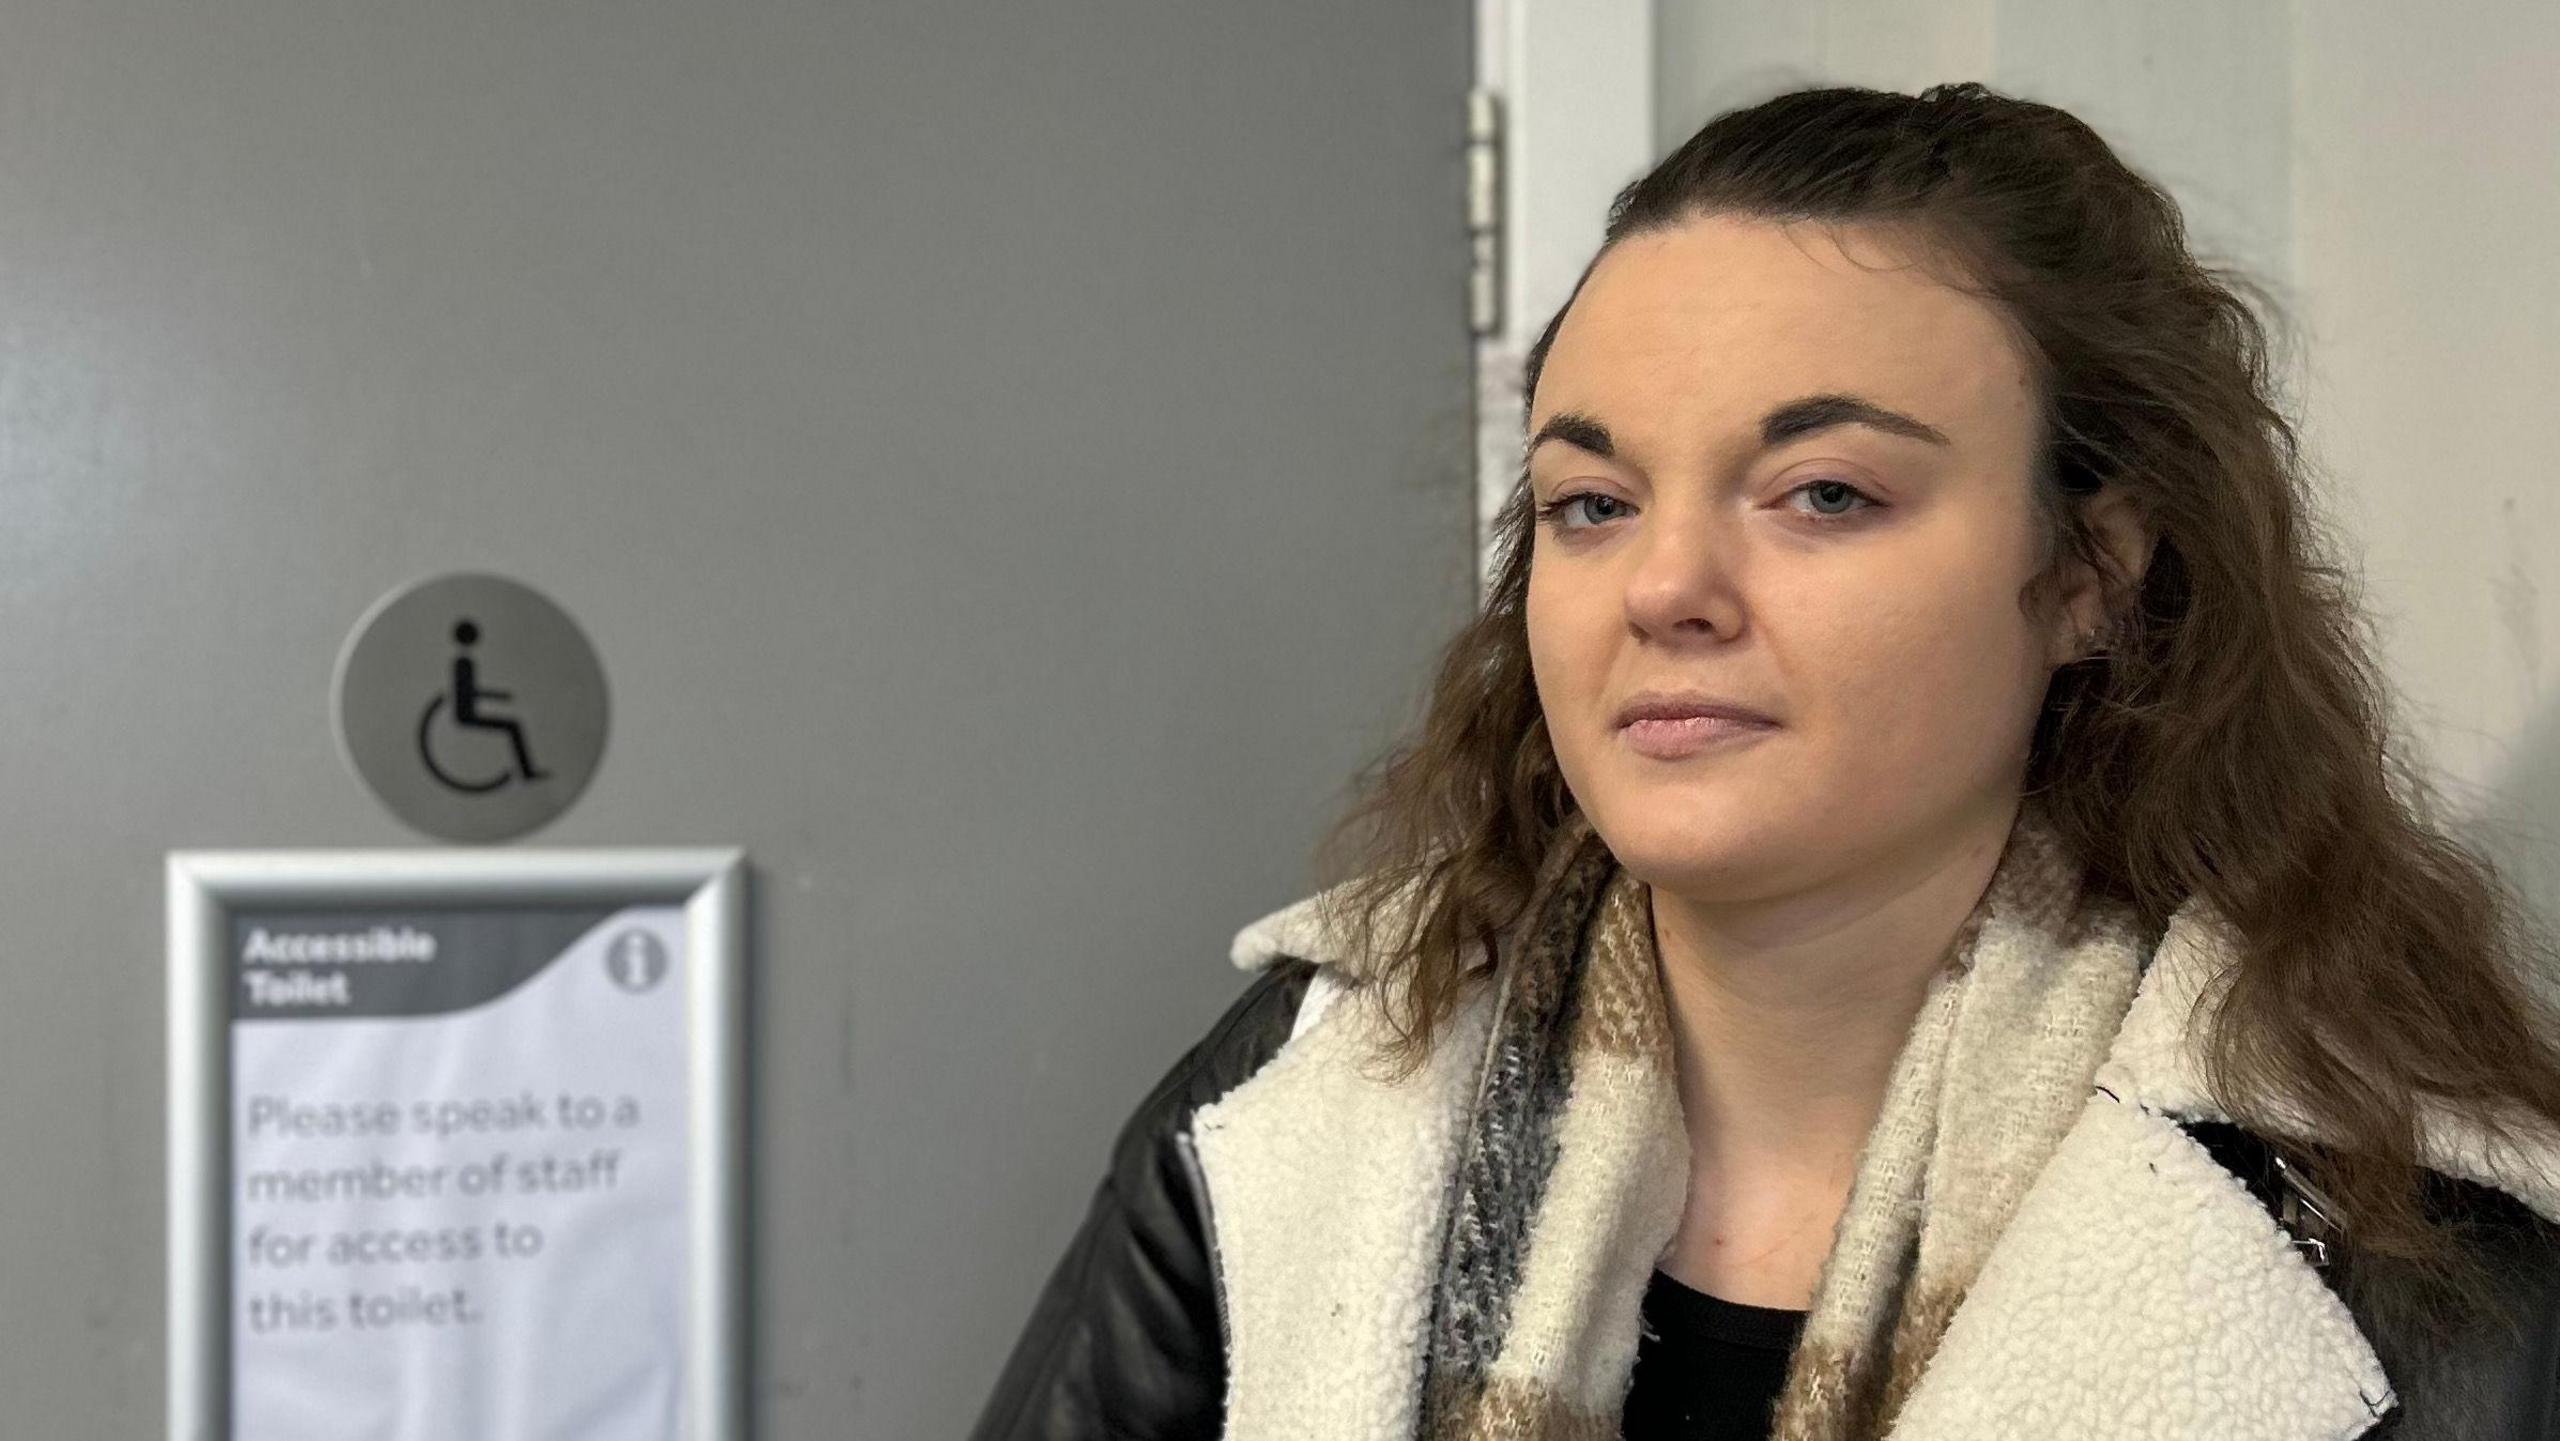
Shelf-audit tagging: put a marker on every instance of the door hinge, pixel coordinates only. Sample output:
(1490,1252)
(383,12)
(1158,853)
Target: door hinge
(1484,211)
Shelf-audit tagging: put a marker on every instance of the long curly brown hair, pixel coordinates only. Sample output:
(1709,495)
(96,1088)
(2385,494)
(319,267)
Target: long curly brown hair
(2233,739)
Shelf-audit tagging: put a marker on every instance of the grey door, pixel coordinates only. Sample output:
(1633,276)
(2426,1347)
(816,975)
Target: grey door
(1012,461)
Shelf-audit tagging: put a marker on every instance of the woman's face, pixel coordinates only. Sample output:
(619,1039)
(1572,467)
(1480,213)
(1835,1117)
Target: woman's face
(1724,532)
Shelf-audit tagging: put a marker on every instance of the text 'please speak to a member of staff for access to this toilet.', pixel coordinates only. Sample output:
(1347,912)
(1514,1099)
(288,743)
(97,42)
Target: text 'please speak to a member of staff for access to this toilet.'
(458,1173)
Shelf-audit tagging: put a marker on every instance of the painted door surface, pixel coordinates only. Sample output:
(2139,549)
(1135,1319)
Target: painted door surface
(1011,462)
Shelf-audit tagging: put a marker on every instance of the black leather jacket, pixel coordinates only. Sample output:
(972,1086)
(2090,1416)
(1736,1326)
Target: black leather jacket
(1126,1341)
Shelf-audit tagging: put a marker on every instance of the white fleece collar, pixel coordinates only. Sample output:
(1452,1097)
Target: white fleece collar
(2140,1289)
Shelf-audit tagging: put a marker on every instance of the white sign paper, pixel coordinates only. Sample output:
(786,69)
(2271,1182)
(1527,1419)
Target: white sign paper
(458,1173)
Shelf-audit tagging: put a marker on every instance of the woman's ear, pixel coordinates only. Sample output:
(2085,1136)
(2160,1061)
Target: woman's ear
(2091,602)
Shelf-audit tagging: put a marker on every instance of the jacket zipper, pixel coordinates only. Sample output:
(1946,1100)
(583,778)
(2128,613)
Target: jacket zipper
(1208,1230)
(2299,1196)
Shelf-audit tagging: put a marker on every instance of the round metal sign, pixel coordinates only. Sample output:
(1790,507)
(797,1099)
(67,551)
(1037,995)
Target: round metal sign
(471,705)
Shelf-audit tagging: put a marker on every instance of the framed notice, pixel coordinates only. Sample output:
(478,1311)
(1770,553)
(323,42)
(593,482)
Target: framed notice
(455,1145)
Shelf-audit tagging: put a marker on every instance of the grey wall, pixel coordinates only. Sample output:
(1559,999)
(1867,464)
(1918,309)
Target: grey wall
(1013,462)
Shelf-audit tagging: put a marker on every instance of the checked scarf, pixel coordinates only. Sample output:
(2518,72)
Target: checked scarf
(1572,1163)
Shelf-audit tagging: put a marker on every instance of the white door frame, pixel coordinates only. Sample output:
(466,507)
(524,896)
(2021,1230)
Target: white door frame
(1562,119)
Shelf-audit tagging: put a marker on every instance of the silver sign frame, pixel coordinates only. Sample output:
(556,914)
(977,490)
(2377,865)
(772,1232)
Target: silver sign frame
(205,885)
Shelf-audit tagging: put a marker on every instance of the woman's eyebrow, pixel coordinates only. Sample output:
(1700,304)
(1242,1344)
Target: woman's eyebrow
(1791,420)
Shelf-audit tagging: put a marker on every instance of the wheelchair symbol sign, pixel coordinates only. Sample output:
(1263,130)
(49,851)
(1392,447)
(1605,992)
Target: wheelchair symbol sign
(463,703)
(471,705)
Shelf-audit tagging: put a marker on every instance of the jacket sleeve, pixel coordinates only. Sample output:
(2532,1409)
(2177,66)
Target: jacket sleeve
(1124,1340)
(2496,1380)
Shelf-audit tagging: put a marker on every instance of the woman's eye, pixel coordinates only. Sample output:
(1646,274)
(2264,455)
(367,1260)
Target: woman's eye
(1827,494)
(1839,492)
(1553,512)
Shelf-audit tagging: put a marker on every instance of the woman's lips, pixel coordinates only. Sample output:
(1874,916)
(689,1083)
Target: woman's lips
(1670,740)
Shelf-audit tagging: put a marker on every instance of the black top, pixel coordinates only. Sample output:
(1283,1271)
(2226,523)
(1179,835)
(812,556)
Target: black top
(1707,1369)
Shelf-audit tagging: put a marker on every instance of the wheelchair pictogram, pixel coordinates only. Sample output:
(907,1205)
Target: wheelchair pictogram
(461,703)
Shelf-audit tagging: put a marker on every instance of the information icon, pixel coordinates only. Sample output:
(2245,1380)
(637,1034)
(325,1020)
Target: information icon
(636,960)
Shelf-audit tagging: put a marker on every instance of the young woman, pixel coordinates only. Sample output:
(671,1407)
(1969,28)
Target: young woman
(1901,919)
